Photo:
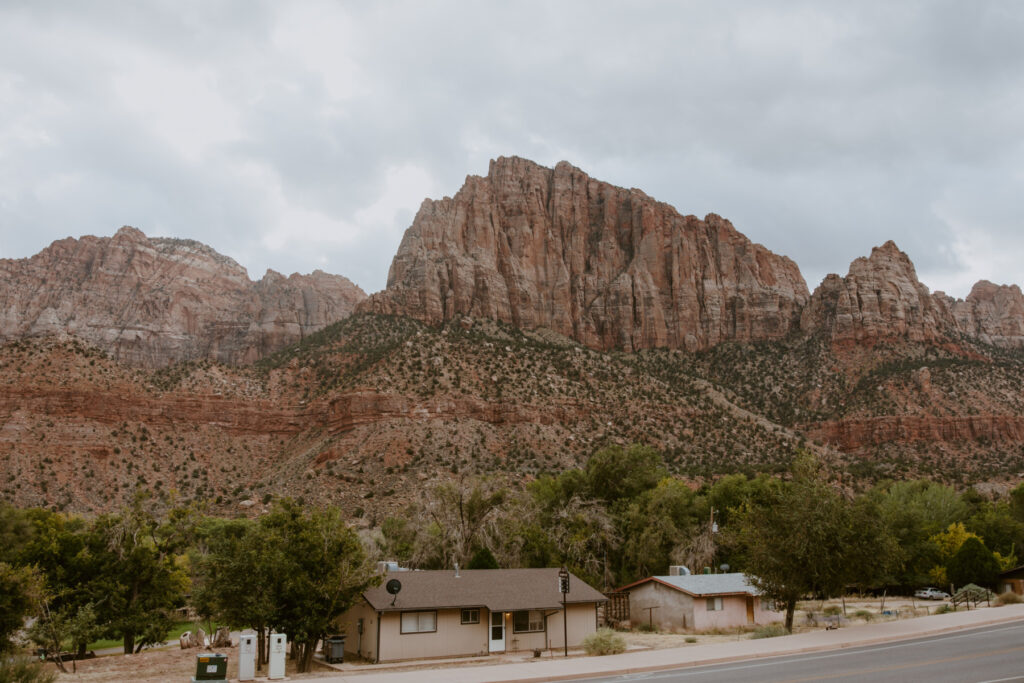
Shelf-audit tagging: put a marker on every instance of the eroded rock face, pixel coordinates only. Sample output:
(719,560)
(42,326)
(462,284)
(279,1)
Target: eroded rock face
(609,267)
(881,298)
(156,301)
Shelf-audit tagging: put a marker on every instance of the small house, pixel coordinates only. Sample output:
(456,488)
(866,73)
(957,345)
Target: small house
(451,613)
(698,602)
(1011,581)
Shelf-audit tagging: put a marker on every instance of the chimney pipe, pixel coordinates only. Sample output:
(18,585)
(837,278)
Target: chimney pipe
(456,570)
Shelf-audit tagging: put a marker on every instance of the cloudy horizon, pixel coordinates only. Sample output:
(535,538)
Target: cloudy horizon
(302,136)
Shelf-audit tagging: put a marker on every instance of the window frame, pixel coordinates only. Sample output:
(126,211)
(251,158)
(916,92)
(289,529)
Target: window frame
(715,605)
(469,611)
(401,621)
(529,622)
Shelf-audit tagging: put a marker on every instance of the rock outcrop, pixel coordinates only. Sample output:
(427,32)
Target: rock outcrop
(155,301)
(881,298)
(607,266)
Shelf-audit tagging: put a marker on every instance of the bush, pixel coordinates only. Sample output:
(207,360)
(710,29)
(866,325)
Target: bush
(25,670)
(864,614)
(604,641)
(943,608)
(832,611)
(691,639)
(1009,598)
(647,627)
(770,631)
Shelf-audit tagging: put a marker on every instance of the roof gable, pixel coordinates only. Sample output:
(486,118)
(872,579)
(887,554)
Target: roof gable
(499,590)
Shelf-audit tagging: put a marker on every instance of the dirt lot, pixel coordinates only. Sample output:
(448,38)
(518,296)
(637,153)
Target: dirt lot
(160,666)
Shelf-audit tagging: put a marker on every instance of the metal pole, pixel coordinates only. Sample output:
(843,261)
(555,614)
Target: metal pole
(565,627)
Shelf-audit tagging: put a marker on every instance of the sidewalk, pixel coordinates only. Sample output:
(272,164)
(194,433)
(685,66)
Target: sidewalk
(529,671)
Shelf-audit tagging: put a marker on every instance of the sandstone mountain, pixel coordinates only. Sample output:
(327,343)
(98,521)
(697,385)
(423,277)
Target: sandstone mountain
(881,298)
(533,318)
(154,301)
(606,266)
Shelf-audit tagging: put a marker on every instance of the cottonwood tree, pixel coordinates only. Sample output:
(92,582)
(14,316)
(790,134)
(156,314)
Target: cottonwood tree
(806,539)
(294,571)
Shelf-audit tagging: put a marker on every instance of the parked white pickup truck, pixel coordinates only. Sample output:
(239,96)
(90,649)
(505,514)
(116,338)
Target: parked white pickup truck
(931,594)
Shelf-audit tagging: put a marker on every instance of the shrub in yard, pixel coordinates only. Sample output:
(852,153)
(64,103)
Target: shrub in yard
(832,611)
(942,609)
(769,631)
(1009,598)
(864,614)
(647,628)
(691,639)
(604,641)
(25,670)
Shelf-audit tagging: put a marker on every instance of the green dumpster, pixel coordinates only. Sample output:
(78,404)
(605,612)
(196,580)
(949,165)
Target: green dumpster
(211,667)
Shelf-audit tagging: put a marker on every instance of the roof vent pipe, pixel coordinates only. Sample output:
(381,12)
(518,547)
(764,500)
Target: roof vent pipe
(456,570)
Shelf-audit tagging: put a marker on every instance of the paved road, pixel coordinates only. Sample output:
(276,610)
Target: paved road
(984,655)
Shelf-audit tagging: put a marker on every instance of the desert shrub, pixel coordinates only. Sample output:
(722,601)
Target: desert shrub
(647,627)
(691,639)
(25,670)
(769,631)
(942,609)
(864,614)
(832,610)
(1009,598)
(604,641)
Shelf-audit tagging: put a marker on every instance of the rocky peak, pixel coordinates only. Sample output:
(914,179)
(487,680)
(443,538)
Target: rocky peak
(607,266)
(881,297)
(155,301)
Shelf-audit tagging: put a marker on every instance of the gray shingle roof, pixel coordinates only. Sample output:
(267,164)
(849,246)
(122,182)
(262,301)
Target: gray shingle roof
(705,584)
(499,590)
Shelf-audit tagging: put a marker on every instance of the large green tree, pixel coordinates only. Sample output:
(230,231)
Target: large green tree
(140,580)
(807,539)
(973,563)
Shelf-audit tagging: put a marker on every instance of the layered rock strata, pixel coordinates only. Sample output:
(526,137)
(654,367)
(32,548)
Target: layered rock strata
(881,297)
(606,266)
(154,301)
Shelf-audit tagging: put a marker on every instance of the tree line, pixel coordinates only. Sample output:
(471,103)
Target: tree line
(622,517)
(126,575)
(618,518)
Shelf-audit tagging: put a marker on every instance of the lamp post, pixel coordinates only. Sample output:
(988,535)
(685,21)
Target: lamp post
(563,588)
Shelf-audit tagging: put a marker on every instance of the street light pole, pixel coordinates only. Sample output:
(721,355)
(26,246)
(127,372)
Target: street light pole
(563,588)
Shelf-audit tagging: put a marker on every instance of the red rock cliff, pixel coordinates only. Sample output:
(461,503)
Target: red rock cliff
(609,267)
(881,298)
(154,301)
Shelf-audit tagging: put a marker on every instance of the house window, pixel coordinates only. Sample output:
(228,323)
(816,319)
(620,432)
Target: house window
(527,621)
(714,604)
(768,604)
(470,616)
(419,622)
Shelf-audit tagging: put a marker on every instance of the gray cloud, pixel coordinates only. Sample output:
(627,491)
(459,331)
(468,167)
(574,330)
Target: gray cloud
(301,136)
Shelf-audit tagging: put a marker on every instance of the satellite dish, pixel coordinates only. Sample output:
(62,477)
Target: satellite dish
(393,586)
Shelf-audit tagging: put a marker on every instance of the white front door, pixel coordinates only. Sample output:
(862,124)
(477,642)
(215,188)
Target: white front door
(497,637)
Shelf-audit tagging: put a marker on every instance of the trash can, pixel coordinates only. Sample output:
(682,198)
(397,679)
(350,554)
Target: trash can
(334,649)
(211,667)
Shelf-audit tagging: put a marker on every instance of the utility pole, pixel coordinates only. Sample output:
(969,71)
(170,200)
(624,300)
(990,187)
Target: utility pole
(563,588)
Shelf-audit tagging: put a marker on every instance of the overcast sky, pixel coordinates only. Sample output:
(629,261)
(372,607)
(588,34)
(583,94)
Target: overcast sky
(303,135)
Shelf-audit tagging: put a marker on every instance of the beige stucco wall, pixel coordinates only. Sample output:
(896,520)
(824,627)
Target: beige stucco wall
(365,647)
(674,610)
(451,639)
(732,614)
(667,608)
